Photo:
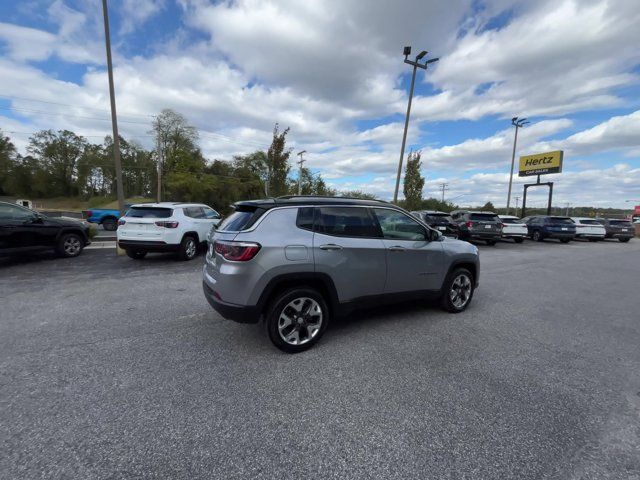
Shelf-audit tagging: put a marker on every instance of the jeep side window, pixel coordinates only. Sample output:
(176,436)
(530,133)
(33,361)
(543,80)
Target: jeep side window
(398,226)
(346,222)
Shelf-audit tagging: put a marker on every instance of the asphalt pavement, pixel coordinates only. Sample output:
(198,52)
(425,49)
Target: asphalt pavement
(116,368)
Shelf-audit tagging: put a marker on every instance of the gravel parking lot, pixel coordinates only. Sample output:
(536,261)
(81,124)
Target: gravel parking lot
(114,368)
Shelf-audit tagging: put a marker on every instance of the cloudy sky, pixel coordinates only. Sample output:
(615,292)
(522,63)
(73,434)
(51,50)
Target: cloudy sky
(332,70)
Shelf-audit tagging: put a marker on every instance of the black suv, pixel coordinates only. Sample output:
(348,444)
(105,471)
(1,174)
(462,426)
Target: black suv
(623,230)
(23,230)
(440,221)
(485,226)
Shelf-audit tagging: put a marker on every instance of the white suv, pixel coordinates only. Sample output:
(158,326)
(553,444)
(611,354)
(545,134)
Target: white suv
(514,228)
(589,228)
(166,227)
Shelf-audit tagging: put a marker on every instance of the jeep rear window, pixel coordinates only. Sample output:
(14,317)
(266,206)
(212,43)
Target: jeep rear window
(589,222)
(510,220)
(149,212)
(620,223)
(484,217)
(242,219)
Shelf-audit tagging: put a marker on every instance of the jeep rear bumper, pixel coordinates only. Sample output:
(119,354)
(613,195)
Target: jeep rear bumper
(237,313)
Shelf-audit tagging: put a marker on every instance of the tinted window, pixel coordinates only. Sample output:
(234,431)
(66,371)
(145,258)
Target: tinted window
(210,213)
(398,226)
(559,221)
(194,212)
(509,220)
(236,222)
(620,223)
(14,212)
(346,222)
(484,217)
(149,212)
(589,222)
(305,218)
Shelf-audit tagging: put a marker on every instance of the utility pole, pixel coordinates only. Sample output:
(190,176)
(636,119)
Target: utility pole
(517,199)
(114,119)
(443,187)
(518,123)
(159,160)
(567,213)
(416,65)
(300,162)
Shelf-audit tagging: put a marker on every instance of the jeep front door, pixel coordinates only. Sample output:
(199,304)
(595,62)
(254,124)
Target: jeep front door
(414,262)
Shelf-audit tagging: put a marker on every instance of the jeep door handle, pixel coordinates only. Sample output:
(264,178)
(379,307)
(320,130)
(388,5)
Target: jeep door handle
(396,248)
(330,246)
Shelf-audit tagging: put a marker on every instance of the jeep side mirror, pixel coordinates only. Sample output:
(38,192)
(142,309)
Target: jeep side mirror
(435,235)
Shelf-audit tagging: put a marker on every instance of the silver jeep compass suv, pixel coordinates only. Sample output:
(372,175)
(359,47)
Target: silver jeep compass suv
(300,261)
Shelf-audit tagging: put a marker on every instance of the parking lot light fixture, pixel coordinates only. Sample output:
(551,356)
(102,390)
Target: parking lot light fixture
(518,123)
(416,64)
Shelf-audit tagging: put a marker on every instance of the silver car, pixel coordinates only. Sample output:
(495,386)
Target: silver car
(297,262)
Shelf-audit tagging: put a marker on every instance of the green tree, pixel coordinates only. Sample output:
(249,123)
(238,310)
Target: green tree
(278,163)
(488,207)
(7,162)
(176,144)
(357,194)
(413,182)
(59,154)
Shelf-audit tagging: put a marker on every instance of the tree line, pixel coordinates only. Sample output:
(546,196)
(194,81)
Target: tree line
(64,164)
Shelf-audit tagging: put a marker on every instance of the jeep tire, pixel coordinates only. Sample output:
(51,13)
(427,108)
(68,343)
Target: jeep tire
(296,319)
(457,290)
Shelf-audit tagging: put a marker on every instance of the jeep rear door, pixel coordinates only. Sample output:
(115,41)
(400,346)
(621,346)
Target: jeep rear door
(347,247)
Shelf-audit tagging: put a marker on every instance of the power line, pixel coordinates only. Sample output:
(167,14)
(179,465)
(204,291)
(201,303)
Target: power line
(9,97)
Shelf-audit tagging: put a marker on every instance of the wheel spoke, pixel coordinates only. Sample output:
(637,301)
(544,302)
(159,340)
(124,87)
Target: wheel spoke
(293,337)
(287,320)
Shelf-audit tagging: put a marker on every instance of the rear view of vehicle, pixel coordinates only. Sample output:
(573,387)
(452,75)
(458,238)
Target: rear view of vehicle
(165,227)
(589,229)
(543,227)
(623,230)
(513,228)
(484,226)
(440,221)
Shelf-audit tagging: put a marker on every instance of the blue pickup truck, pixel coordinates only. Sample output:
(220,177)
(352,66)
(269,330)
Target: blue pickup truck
(102,216)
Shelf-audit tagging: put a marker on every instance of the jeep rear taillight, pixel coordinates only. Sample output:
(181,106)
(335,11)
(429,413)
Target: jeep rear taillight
(167,224)
(469,224)
(236,251)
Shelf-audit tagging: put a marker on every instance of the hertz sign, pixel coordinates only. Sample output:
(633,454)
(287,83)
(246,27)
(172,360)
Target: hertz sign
(541,163)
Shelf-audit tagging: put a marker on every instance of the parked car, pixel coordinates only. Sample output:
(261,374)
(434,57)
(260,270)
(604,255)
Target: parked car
(298,262)
(108,218)
(24,230)
(478,225)
(166,227)
(589,229)
(440,221)
(513,228)
(623,230)
(542,227)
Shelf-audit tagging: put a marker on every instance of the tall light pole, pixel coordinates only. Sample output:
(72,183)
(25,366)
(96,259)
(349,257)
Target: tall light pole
(518,123)
(416,65)
(114,119)
(517,200)
(300,162)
